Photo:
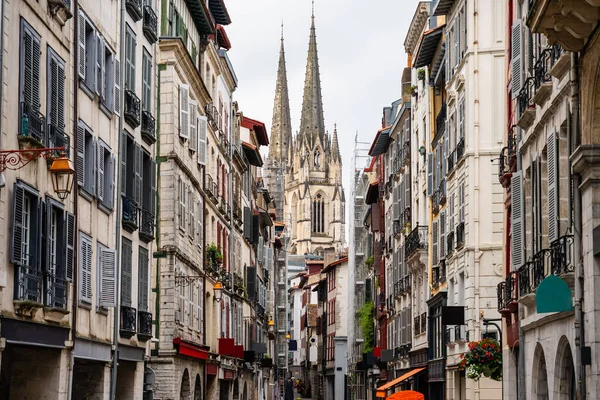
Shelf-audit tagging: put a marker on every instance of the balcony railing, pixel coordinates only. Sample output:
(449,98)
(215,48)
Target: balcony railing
(562,255)
(533,272)
(150,24)
(449,243)
(424,322)
(397,228)
(406,216)
(440,121)
(525,96)
(460,235)
(128,321)
(541,70)
(148,127)
(508,292)
(442,192)
(406,153)
(417,325)
(212,114)
(407,284)
(134,7)
(28,283)
(416,240)
(57,137)
(222,205)
(130,214)
(144,325)
(132,108)
(56,291)
(448,335)
(32,123)
(459,333)
(460,150)
(451,161)
(147,226)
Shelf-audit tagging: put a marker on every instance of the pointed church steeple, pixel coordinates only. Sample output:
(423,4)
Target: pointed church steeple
(281,128)
(335,147)
(312,124)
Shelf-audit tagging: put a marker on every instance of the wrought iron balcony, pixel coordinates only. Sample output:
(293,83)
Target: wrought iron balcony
(132,109)
(28,283)
(460,150)
(448,335)
(32,123)
(460,235)
(440,121)
(128,322)
(416,240)
(525,104)
(504,172)
(144,325)
(417,325)
(451,161)
(222,205)
(407,284)
(406,153)
(533,272)
(56,291)
(449,243)
(508,293)
(212,114)
(130,214)
(57,137)
(442,192)
(397,228)
(406,216)
(150,24)
(147,226)
(460,334)
(134,8)
(561,251)
(211,189)
(442,273)
(424,322)
(148,127)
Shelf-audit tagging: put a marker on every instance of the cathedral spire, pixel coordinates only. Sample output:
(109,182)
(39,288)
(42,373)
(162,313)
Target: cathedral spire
(281,128)
(335,147)
(312,124)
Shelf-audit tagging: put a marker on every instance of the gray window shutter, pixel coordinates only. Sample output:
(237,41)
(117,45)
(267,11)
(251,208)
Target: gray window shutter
(184,111)
(70,239)
(451,211)
(130,60)
(99,66)
(81,45)
(553,201)
(202,147)
(143,279)
(124,163)
(138,171)
(90,176)
(461,202)
(107,264)
(259,250)
(199,305)
(100,172)
(85,269)
(193,115)
(117,90)
(146,82)
(126,266)
(251,282)
(407,184)
(248,223)
(517,229)
(109,197)
(80,154)
(190,211)
(443,234)
(152,203)
(434,234)
(430,175)
(30,59)
(517,57)
(16,254)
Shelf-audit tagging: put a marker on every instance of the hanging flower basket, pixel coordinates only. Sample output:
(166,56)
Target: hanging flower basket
(483,358)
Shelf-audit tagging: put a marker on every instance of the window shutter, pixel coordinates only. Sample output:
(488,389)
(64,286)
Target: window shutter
(202,127)
(517,57)
(152,203)
(430,175)
(553,209)
(117,91)
(110,194)
(108,283)
(143,279)
(461,203)
(434,234)
(126,261)
(99,81)
(138,160)
(517,231)
(85,269)
(100,172)
(260,249)
(81,45)
(17,225)
(199,213)
(123,163)
(407,183)
(199,305)
(248,223)
(184,110)
(52,91)
(443,234)
(70,238)
(90,176)
(146,82)
(451,212)
(80,154)
(30,63)
(60,96)
(193,115)
(130,76)
(190,212)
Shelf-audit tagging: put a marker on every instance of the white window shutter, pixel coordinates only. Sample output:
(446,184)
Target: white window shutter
(184,111)
(259,249)
(517,57)
(202,128)
(517,232)
(193,115)
(108,268)
(100,172)
(200,221)
(117,91)
(553,209)
(81,45)
(434,235)
(430,175)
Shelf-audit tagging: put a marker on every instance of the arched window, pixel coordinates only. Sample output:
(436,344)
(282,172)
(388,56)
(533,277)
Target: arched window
(317,159)
(318,214)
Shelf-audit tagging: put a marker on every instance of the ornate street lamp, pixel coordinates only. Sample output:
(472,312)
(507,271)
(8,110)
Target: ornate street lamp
(218,289)
(62,176)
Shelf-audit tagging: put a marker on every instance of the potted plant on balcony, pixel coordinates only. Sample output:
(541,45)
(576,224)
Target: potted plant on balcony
(369,262)
(213,256)
(421,74)
(483,358)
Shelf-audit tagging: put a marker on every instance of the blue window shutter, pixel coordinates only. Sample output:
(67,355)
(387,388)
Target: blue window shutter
(16,254)
(517,229)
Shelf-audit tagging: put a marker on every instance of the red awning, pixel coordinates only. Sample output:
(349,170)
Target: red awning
(190,350)
(222,37)
(259,128)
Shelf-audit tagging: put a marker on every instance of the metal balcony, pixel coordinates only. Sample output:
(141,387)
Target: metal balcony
(130,214)
(442,192)
(132,109)
(508,294)
(56,289)
(417,325)
(134,8)
(210,188)
(150,24)
(212,114)
(222,205)
(561,251)
(28,283)
(424,322)
(148,127)
(440,121)
(460,150)
(144,331)
(533,272)
(56,137)
(451,161)
(147,226)
(449,243)
(416,240)
(406,153)
(460,235)
(128,322)
(525,104)
(32,123)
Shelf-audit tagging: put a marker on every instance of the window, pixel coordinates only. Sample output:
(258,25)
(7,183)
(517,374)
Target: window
(461,119)
(55,100)
(130,48)
(110,80)
(86,150)
(29,83)
(200,320)
(126,269)
(105,176)
(146,81)
(318,214)
(85,268)
(143,276)
(107,271)
(88,48)
(182,204)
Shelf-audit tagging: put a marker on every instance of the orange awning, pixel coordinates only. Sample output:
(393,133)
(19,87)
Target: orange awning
(381,391)
(406,395)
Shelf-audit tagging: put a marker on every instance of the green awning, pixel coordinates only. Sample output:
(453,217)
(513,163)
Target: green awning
(553,295)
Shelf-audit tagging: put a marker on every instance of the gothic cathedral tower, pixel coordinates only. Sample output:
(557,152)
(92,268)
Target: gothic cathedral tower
(313,197)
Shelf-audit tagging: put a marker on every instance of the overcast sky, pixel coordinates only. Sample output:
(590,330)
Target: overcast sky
(361,56)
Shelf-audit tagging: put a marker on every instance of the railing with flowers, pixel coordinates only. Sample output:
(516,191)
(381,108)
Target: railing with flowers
(483,358)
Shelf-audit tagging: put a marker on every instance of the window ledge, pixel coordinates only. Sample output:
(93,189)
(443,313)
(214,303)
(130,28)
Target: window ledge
(106,210)
(107,111)
(85,304)
(90,93)
(102,310)
(26,308)
(85,194)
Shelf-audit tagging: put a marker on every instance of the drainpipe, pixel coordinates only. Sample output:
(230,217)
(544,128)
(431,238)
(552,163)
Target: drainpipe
(159,160)
(74,305)
(574,138)
(115,359)
(2,73)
